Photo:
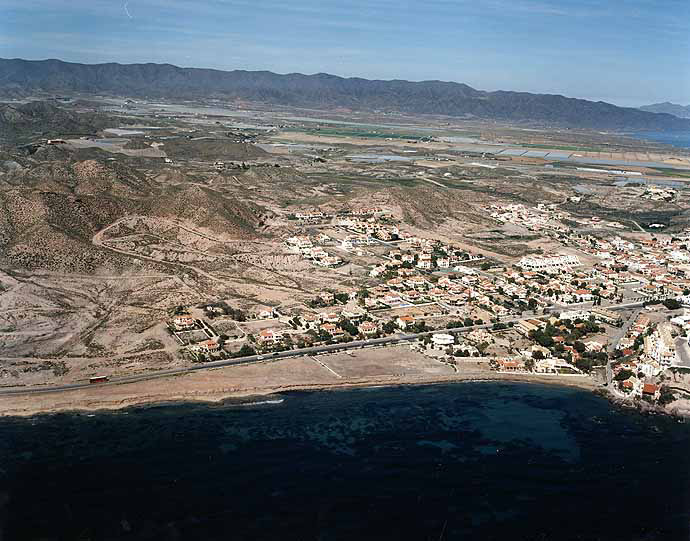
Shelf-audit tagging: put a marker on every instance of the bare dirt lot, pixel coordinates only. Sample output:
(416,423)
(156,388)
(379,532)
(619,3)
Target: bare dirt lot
(392,361)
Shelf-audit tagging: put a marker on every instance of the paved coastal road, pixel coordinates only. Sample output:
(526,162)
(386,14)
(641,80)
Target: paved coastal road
(357,344)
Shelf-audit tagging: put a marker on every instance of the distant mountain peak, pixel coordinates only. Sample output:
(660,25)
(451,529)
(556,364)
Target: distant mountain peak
(680,111)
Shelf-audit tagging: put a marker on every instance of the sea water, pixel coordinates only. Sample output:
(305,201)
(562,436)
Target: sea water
(678,139)
(459,461)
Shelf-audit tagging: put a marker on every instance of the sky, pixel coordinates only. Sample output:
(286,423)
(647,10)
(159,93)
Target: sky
(627,52)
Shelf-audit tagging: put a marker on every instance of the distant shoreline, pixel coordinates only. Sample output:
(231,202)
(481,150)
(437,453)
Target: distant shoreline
(680,140)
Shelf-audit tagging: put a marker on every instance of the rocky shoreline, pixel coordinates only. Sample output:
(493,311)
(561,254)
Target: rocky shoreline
(679,409)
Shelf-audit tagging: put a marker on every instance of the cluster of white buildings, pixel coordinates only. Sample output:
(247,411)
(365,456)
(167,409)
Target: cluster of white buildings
(370,227)
(656,193)
(311,216)
(427,255)
(540,218)
(625,270)
(316,215)
(183,322)
(638,327)
(353,242)
(408,287)
(549,264)
(314,252)
(270,337)
(660,346)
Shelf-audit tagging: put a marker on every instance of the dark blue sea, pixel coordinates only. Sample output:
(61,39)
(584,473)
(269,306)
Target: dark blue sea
(678,139)
(488,461)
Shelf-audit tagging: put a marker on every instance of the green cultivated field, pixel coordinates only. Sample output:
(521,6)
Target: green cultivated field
(684,173)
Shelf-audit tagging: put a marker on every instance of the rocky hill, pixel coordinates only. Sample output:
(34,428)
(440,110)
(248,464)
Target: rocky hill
(212,149)
(43,119)
(325,91)
(51,208)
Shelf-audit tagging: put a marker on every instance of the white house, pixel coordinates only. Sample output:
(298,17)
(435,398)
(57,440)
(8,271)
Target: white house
(183,322)
(442,340)
(560,262)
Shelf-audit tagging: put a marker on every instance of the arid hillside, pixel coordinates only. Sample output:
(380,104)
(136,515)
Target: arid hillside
(51,210)
(43,119)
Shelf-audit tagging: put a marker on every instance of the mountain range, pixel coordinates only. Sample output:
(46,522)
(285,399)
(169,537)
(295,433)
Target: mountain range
(681,111)
(323,91)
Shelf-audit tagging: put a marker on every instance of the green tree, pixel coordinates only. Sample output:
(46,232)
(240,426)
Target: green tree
(584,363)
(389,327)
(666,395)
(639,340)
(420,326)
(672,304)
(542,339)
(342,297)
(623,375)
(245,351)
(348,327)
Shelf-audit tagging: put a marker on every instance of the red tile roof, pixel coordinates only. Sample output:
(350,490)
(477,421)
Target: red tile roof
(650,388)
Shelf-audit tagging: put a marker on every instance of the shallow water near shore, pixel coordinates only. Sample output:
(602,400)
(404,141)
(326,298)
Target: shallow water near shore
(459,461)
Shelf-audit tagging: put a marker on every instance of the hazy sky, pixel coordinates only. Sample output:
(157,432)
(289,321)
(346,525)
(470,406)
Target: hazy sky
(629,52)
